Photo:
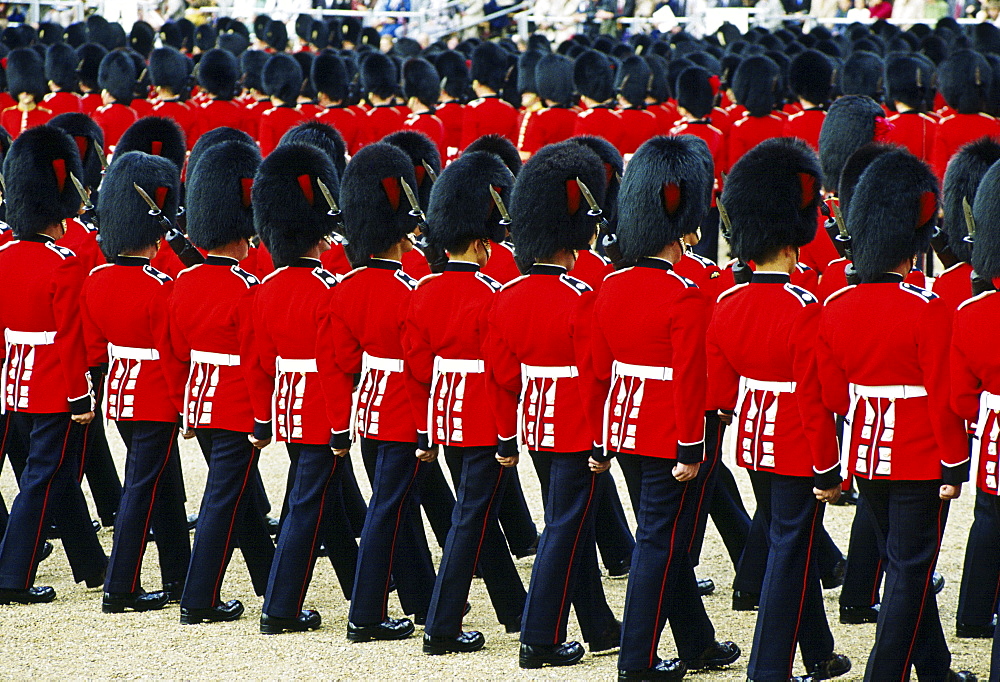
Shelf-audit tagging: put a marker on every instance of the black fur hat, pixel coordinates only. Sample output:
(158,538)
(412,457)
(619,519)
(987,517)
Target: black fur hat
(593,76)
(89,56)
(218,72)
(810,76)
(489,65)
(961,181)
(849,124)
(290,212)
(863,74)
(305,61)
(986,211)
(39,190)
(986,37)
(205,37)
(60,66)
(501,146)
(329,75)
(25,73)
(772,195)
(454,74)
(526,71)
(538,41)
(50,33)
(893,211)
(99,31)
(419,148)
(461,207)
(755,83)
(234,42)
(126,225)
(170,35)
(548,211)
(319,35)
(420,80)
(186,28)
(252,64)
(154,136)
(213,137)
(276,35)
(282,77)
(303,27)
(694,91)
(85,133)
(76,34)
(908,79)
(323,136)
(217,195)
(117,75)
(855,166)
(350,30)
(260,23)
(964,79)
(614,168)
(169,68)
(554,79)
(659,80)
(378,75)
(142,38)
(376,212)
(370,37)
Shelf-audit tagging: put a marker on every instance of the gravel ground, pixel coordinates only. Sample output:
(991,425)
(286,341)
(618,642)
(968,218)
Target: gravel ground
(71,638)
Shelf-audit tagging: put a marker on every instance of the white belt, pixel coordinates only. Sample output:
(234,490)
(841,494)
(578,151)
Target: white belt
(298,366)
(990,401)
(221,359)
(453,366)
(381,364)
(130,353)
(624,369)
(29,338)
(897,392)
(549,372)
(775,387)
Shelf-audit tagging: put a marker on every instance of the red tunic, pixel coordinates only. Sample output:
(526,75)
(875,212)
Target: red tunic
(255,108)
(488,115)
(345,121)
(761,363)
(378,122)
(915,131)
(666,117)
(62,103)
(703,272)
(803,277)
(114,120)
(638,125)
(45,369)
(415,264)
(501,265)
(81,239)
(955,131)
(548,126)
(750,131)
(954,285)
(806,125)
(451,115)
(721,119)
(125,319)
(179,112)
(16,121)
(592,268)
(649,355)
(275,122)
(883,362)
(431,126)
(601,121)
(335,259)
(835,278)
(142,107)
(447,321)
(818,253)
(91,102)
(216,113)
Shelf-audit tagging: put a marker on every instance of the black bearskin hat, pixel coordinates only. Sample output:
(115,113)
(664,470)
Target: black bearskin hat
(810,76)
(420,80)
(908,79)
(76,34)
(498,144)
(169,68)
(282,77)
(961,181)
(613,169)
(142,38)
(205,37)
(526,71)
(252,63)
(964,79)
(303,27)
(85,133)
(50,33)
(321,135)
(329,75)
(855,166)
(490,65)
(554,79)
(89,57)
(217,195)
(60,66)
(863,74)
(378,75)
(25,73)
(276,35)
(117,75)
(593,76)
(633,80)
(461,207)
(126,225)
(236,43)
(213,137)
(219,72)
(771,195)
(419,148)
(454,74)
(849,124)
(694,91)
(39,190)
(170,36)
(155,136)
(755,84)
(986,211)
(893,211)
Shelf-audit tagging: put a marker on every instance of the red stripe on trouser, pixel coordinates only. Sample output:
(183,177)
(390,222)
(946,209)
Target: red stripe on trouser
(486,521)
(149,512)
(83,454)
(704,487)
(805,582)
(319,522)
(232,522)
(395,534)
(874,593)
(45,506)
(572,555)
(3,439)
(923,596)
(663,585)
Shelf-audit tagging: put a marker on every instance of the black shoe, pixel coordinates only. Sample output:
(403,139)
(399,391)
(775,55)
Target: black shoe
(745,601)
(192,521)
(976,631)
(608,641)
(835,666)
(46,551)
(231,610)
(390,628)
(531,550)
(855,615)
(275,625)
(670,669)
(706,587)
(173,590)
(836,576)
(272,525)
(937,582)
(463,644)
(962,676)
(534,656)
(32,595)
(620,569)
(135,601)
(718,655)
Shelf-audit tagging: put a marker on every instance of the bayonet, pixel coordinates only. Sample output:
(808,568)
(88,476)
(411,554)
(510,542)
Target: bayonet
(970,221)
(178,241)
(100,155)
(84,197)
(841,225)
(430,171)
(727,226)
(595,208)
(500,206)
(331,202)
(412,198)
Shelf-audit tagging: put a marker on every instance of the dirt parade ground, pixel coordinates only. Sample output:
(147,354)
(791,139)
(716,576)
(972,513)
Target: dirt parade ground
(71,638)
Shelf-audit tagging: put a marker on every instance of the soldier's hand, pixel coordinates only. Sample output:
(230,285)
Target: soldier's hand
(84,418)
(829,495)
(341,452)
(599,467)
(259,443)
(507,461)
(427,455)
(685,472)
(950,492)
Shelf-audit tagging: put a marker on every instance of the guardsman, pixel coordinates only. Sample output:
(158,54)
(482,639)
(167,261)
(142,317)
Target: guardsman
(212,338)
(810,76)
(754,83)
(379,83)
(965,79)
(170,74)
(556,121)
(539,360)
(445,351)
(116,79)
(902,442)
(594,81)
(423,154)
(90,56)
(422,89)
(329,77)
(694,105)
(455,89)
(909,78)
(638,124)
(643,358)
(26,84)
(527,89)
(501,265)
(218,74)
(282,80)
(125,327)
(378,224)
(784,436)
(60,72)
(46,383)
(488,113)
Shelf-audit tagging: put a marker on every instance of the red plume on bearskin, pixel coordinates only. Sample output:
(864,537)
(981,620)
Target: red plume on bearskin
(126,225)
(219,200)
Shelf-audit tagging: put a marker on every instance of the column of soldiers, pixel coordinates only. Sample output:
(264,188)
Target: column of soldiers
(338,246)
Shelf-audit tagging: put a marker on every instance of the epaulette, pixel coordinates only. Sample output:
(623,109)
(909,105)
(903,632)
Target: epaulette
(603,259)
(837,293)
(730,291)
(405,279)
(617,272)
(276,271)
(700,259)
(7,245)
(353,272)
(248,279)
(803,296)
(688,284)
(488,281)
(980,297)
(917,291)
(160,277)
(427,278)
(578,286)
(325,276)
(514,281)
(100,267)
(61,251)
(476,102)
(802,267)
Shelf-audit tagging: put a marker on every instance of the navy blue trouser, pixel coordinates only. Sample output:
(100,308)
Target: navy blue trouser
(977,600)
(865,569)
(791,603)
(48,485)
(228,514)
(515,517)
(661,586)
(909,519)
(315,513)
(151,499)
(475,538)
(393,545)
(565,569)
(102,476)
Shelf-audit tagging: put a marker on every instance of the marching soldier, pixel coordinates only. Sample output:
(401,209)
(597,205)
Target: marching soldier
(637,124)
(811,79)
(379,82)
(60,72)
(26,84)
(555,120)
(422,89)
(90,56)
(594,81)
(218,74)
(488,113)
(329,78)
(282,79)
(170,74)
(965,80)
(909,79)
(116,79)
